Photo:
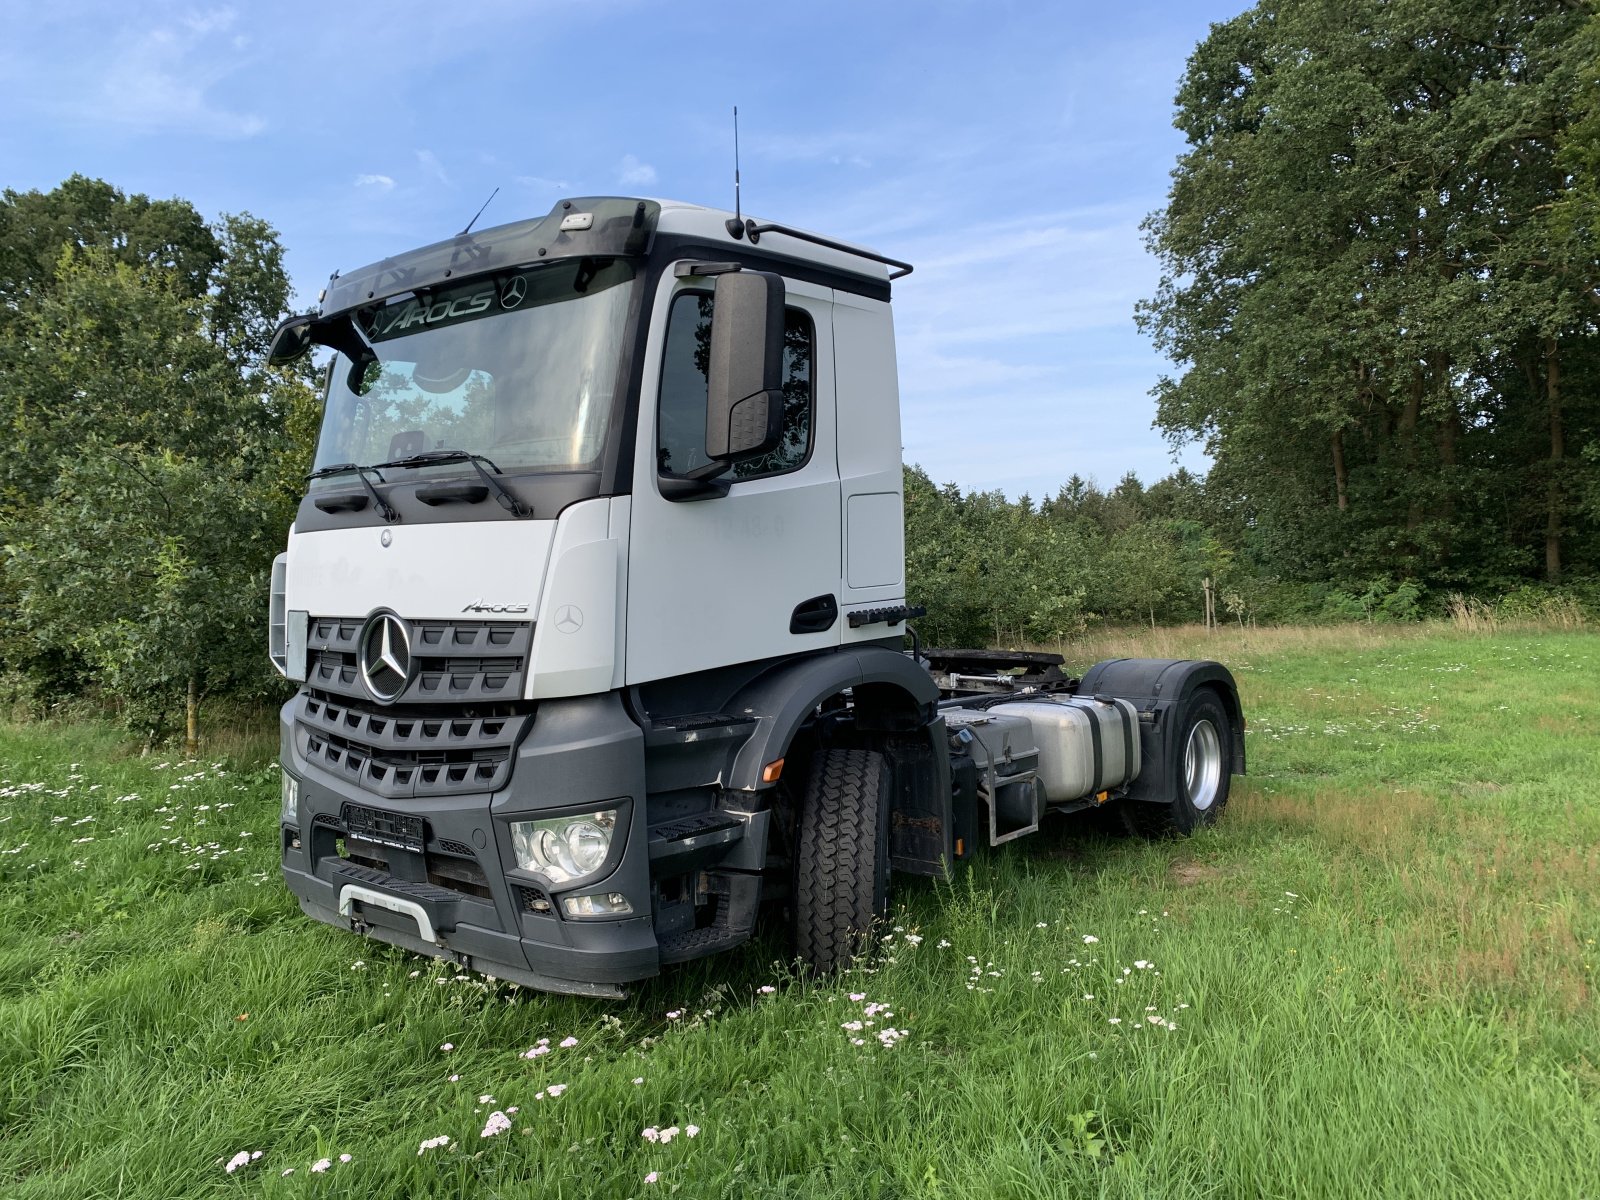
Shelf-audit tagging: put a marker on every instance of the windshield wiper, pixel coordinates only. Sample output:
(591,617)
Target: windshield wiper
(384,507)
(434,458)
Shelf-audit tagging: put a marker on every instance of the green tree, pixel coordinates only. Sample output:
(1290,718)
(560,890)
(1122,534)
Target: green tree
(154,462)
(1383,338)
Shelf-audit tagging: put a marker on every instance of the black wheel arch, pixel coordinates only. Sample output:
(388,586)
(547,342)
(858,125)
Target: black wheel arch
(889,690)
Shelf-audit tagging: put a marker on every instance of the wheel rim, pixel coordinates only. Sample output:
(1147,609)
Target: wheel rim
(1202,765)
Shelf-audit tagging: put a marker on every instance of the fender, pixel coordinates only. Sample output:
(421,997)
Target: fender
(1159,687)
(782,699)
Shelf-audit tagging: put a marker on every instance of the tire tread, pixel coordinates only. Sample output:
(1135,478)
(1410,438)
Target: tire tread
(841,870)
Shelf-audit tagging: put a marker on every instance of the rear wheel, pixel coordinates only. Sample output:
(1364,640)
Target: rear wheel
(1201,777)
(842,860)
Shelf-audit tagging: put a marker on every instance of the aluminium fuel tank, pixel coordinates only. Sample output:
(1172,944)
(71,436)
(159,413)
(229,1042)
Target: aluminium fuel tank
(1085,744)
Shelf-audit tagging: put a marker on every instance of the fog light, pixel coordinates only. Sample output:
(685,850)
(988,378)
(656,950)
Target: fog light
(605,904)
(564,848)
(289,812)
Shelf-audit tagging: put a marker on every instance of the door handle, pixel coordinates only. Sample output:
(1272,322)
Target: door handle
(815,615)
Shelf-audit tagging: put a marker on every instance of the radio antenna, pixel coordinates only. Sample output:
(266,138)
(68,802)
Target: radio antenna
(478,214)
(735,224)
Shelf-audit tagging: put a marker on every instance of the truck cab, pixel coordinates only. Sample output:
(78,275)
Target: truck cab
(596,604)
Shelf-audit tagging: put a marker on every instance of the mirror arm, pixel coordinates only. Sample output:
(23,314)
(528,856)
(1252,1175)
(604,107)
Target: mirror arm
(679,488)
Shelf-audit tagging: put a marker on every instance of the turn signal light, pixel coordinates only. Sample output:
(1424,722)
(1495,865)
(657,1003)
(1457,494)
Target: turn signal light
(606,904)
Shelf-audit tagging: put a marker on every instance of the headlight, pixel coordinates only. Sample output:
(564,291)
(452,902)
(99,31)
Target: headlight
(564,848)
(289,813)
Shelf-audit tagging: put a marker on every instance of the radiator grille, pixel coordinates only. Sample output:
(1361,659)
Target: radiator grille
(398,757)
(455,661)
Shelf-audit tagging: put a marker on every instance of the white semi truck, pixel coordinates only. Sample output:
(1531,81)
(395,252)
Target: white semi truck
(597,607)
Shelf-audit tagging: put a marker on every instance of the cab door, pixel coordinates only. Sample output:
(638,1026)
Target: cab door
(756,573)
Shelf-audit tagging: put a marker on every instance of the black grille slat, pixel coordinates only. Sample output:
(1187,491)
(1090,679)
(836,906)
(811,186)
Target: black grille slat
(382,731)
(407,758)
(453,660)
(395,775)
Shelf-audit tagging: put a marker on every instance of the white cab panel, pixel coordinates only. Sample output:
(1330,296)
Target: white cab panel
(427,572)
(713,582)
(870,479)
(575,633)
(874,540)
(620,523)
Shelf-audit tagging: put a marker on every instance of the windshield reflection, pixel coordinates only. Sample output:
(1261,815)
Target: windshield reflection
(519,367)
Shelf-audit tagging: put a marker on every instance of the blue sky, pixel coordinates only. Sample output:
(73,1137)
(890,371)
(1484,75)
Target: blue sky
(1008,150)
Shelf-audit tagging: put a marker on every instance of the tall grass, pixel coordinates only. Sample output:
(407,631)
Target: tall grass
(1528,610)
(1376,977)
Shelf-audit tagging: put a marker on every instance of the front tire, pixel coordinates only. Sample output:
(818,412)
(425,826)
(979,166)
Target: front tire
(842,864)
(1201,772)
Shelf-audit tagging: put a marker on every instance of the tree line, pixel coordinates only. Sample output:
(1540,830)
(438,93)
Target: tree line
(1381,282)
(1381,276)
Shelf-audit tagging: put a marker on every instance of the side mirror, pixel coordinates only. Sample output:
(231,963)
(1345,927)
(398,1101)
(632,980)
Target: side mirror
(290,341)
(744,377)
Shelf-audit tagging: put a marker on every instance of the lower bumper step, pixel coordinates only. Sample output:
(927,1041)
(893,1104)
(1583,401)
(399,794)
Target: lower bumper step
(682,845)
(738,897)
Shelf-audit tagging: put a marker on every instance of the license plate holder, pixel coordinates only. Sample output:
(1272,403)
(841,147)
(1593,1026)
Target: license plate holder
(397,831)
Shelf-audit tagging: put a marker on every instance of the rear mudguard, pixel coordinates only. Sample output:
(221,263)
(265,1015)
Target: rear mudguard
(1159,689)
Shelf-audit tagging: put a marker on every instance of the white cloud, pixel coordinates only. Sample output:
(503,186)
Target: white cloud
(429,162)
(382,182)
(218,20)
(160,78)
(633,173)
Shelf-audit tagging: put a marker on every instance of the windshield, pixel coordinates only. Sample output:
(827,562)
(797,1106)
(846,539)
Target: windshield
(519,367)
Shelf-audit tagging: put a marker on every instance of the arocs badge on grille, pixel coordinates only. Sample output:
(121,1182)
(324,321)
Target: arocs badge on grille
(384,656)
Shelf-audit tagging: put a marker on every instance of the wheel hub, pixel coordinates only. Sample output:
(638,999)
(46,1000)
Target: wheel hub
(1202,765)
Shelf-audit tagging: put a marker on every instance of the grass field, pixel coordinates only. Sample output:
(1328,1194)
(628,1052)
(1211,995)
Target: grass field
(1376,977)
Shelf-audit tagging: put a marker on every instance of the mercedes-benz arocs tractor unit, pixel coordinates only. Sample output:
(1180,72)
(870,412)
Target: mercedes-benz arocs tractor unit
(596,604)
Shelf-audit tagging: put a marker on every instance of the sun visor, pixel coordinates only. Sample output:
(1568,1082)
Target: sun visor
(601,226)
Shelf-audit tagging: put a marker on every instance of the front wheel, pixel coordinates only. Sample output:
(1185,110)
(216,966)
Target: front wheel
(1202,776)
(842,864)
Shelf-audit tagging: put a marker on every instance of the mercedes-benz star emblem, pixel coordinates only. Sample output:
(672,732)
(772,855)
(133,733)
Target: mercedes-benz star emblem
(514,292)
(384,656)
(385,538)
(569,618)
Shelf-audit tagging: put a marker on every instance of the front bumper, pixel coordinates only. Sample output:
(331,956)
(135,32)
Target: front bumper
(458,881)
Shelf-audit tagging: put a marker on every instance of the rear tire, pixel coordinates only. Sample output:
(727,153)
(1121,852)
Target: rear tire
(842,864)
(1200,772)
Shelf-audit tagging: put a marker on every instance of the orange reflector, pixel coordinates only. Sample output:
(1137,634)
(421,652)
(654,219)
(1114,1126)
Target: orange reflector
(961,847)
(1102,797)
(770,772)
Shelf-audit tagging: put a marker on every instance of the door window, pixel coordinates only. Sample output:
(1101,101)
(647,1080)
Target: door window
(681,410)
